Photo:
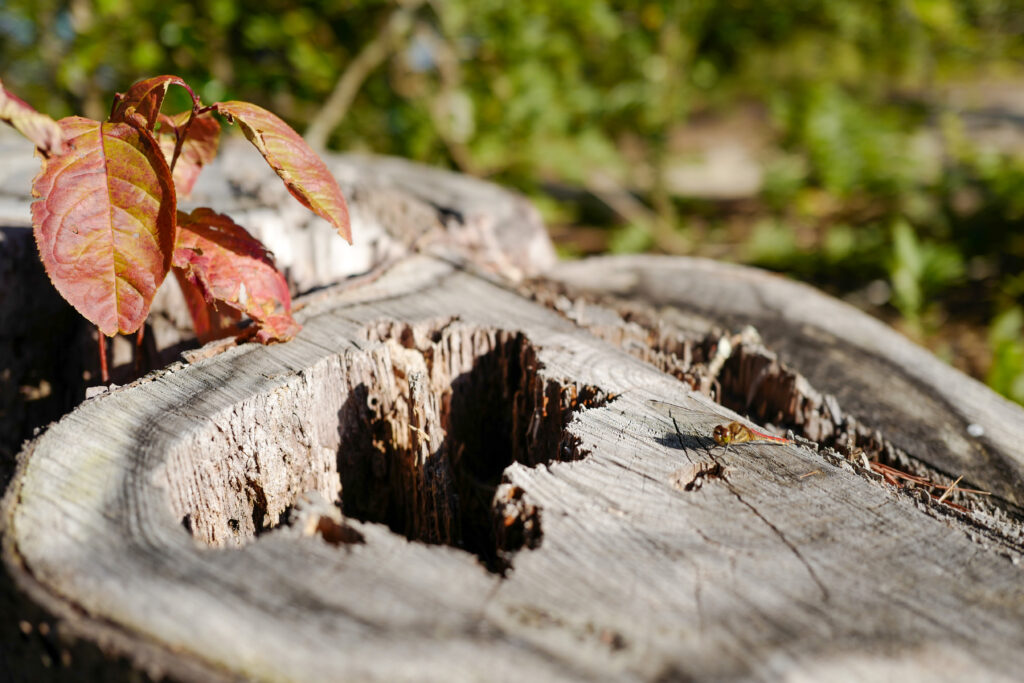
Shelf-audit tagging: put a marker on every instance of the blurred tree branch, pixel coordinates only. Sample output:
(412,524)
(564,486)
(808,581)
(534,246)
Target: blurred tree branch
(444,103)
(369,58)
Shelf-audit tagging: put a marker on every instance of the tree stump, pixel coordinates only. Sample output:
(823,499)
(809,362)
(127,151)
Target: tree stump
(448,477)
(458,473)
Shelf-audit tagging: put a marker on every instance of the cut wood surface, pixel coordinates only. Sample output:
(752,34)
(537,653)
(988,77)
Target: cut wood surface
(931,412)
(565,524)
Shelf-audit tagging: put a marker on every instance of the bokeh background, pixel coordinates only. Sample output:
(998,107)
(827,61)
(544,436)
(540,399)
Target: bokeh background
(874,148)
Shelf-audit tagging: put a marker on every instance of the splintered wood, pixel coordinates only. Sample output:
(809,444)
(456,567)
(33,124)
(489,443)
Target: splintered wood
(512,505)
(414,431)
(738,371)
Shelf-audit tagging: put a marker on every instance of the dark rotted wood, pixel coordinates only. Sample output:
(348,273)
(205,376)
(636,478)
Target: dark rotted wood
(249,515)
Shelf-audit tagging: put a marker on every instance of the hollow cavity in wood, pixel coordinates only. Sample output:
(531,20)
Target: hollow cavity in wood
(424,420)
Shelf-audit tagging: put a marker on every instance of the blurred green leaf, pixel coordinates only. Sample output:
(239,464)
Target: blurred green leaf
(771,244)
(1006,339)
(919,270)
(905,271)
(860,112)
(633,238)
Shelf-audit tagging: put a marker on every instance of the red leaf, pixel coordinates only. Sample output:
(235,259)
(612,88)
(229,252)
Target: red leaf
(209,321)
(276,328)
(105,221)
(39,128)
(230,266)
(303,172)
(145,99)
(199,148)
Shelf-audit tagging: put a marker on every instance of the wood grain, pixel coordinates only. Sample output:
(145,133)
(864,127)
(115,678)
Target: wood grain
(787,564)
(924,406)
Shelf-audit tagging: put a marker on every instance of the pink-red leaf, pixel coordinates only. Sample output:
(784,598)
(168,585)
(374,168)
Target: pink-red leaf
(279,327)
(145,99)
(230,266)
(39,128)
(209,321)
(199,148)
(303,172)
(105,222)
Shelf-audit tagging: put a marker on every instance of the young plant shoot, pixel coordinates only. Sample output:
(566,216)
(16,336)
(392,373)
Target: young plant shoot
(109,231)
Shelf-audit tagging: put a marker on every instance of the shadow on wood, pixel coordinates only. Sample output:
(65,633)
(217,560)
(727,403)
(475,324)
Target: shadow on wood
(786,561)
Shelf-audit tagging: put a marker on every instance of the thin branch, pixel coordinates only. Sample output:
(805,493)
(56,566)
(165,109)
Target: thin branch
(440,106)
(620,200)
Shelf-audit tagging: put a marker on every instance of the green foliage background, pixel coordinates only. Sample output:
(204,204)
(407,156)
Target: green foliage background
(877,184)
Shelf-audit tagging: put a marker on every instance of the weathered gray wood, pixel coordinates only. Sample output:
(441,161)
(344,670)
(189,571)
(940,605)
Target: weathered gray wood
(924,406)
(47,354)
(789,565)
(396,207)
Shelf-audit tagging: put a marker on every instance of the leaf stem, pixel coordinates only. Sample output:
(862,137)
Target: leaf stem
(137,351)
(104,372)
(192,93)
(181,133)
(179,139)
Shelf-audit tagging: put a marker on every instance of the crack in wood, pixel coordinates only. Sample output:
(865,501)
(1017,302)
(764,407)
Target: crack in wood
(782,537)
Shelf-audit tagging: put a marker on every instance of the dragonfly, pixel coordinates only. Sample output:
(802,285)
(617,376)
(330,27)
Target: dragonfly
(733,432)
